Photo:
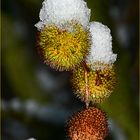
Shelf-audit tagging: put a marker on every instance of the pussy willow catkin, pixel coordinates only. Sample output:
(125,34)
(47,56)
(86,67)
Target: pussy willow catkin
(64,37)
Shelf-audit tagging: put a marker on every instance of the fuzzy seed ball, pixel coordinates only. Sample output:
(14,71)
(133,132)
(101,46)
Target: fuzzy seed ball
(95,86)
(89,124)
(64,48)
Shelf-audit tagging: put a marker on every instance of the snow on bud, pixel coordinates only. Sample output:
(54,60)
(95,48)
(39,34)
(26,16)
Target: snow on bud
(59,12)
(101,46)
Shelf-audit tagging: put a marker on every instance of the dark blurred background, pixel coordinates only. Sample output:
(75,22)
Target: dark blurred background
(36,101)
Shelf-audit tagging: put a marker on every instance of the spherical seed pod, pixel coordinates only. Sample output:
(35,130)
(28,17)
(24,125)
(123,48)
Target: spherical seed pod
(64,48)
(89,124)
(94,86)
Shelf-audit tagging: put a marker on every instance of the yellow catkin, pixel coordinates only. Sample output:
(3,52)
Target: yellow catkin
(89,124)
(99,83)
(64,48)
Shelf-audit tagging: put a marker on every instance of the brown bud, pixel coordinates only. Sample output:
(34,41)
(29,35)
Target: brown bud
(89,124)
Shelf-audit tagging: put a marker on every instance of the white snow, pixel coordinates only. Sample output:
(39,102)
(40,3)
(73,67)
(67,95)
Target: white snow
(59,12)
(101,45)
(31,139)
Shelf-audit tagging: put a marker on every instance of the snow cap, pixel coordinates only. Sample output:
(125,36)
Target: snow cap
(101,45)
(59,12)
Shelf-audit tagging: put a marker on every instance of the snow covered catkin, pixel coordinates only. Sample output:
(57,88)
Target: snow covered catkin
(95,80)
(64,36)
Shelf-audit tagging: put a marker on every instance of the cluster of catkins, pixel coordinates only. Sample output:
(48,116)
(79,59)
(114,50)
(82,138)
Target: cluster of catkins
(69,41)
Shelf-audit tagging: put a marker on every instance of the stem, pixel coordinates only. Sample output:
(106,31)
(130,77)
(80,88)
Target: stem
(86,81)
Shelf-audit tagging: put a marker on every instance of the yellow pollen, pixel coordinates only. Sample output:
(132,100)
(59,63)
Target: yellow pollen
(99,83)
(63,49)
